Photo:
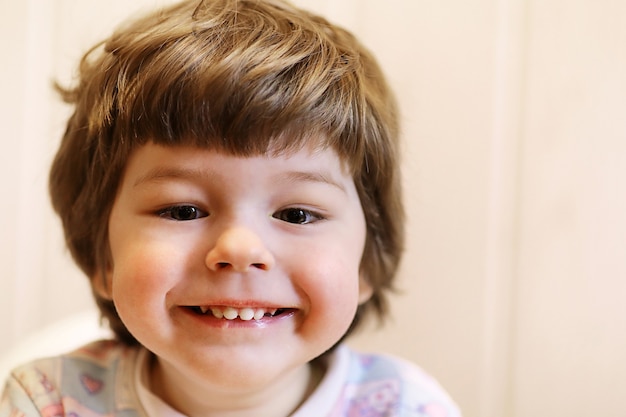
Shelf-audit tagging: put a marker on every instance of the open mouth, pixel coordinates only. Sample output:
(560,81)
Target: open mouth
(245,314)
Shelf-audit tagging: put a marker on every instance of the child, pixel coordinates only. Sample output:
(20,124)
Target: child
(229,182)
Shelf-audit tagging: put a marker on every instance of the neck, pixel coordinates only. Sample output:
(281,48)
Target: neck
(195,397)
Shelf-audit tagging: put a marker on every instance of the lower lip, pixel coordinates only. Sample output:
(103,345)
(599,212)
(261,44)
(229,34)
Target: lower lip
(214,322)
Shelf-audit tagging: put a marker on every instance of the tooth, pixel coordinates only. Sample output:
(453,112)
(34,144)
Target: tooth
(246,314)
(259,313)
(230,313)
(217,313)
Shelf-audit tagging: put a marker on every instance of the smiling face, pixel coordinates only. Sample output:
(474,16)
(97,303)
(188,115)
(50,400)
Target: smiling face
(236,271)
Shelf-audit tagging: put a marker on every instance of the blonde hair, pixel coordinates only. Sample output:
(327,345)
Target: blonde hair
(240,76)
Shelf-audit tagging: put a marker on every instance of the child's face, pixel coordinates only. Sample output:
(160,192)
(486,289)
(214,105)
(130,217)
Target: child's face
(193,230)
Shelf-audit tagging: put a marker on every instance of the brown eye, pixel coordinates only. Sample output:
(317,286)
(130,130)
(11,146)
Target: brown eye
(182,213)
(296,216)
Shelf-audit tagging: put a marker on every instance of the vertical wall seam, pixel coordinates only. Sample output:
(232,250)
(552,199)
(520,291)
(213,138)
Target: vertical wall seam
(503,209)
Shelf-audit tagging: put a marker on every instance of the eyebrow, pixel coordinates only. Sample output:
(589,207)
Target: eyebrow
(159,174)
(314,177)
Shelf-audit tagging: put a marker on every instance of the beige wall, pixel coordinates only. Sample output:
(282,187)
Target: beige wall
(514,165)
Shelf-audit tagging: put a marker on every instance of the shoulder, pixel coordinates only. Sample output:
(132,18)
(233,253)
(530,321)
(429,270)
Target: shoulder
(101,359)
(83,381)
(401,388)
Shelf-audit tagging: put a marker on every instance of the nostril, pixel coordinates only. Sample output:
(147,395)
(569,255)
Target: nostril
(226,265)
(239,249)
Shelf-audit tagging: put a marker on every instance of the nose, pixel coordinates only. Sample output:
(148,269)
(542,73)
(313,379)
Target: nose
(239,249)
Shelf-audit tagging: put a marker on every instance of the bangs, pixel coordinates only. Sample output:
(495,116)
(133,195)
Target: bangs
(266,85)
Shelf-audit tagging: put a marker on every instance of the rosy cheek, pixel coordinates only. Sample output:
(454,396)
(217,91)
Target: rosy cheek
(332,291)
(139,273)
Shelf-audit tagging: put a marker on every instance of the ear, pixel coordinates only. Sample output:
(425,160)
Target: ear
(101,285)
(365,290)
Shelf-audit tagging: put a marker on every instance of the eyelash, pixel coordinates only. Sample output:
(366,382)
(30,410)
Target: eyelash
(309,216)
(174,213)
(293,215)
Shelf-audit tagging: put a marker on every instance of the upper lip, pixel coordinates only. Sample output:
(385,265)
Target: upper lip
(240,304)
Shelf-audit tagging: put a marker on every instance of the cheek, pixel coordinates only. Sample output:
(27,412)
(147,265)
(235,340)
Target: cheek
(132,283)
(141,280)
(142,275)
(333,273)
(332,291)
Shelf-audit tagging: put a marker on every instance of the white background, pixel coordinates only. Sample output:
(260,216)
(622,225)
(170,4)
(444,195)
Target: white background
(514,118)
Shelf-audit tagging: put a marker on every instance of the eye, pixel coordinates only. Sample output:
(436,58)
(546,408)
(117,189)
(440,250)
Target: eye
(297,216)
(182,213)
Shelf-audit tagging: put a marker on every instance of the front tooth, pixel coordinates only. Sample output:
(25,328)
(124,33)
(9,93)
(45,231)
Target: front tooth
(246,314)
(217,313)
(230,313)
(259,313)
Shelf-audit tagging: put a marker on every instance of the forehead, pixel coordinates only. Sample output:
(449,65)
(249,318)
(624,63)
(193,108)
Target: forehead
(156,169)
(153,163)
(303,148)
